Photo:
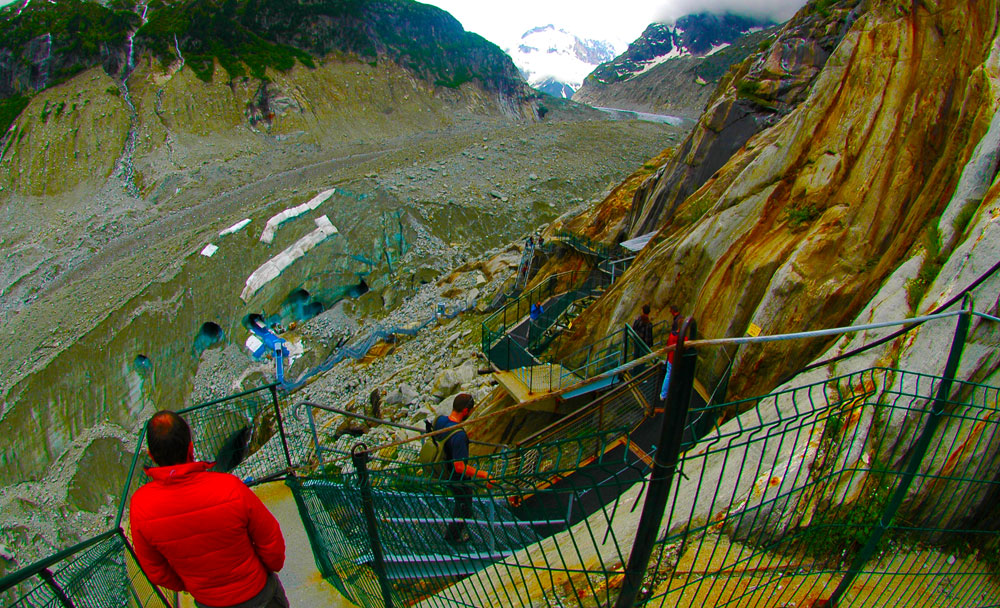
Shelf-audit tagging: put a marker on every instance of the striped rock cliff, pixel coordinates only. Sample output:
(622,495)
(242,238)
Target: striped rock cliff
(879,180)
(874,199)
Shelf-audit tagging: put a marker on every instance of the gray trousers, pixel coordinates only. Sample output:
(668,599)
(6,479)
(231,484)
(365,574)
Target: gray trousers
(271,596)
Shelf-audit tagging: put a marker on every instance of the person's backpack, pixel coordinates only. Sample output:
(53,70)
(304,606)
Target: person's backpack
(432,454)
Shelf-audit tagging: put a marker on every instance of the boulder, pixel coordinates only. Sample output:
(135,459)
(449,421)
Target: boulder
(404,394)
(449,381)
(444,408)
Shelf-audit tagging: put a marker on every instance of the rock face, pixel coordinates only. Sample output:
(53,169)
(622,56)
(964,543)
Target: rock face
(45,44)
(808,221)
(876,198)
(751,98)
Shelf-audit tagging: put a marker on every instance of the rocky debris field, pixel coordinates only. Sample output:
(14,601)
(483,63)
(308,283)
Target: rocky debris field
(475,188)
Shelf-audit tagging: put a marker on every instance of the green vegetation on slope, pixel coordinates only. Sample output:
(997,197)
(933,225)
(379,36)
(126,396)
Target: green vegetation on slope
(205,30)
(48,43)
(10,109)
(419,37)
(80,33)
(274,33)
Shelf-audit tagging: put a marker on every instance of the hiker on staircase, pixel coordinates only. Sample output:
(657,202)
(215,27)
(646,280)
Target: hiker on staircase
(671,341)
(535,312)
(456,449)
(643,328)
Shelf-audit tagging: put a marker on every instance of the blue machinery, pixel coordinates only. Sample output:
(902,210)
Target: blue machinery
(267,342)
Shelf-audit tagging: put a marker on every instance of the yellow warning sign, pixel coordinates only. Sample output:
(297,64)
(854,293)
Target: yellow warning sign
(754,330)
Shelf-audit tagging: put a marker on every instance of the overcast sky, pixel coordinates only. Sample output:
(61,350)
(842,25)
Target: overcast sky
(616,20)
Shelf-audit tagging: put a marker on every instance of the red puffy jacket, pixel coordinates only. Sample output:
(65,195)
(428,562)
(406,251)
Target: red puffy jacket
(205,533)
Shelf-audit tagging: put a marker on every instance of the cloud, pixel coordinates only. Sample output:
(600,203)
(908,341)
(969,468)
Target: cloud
(778,10)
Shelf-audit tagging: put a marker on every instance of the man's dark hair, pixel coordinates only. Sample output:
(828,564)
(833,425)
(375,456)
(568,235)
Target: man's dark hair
(674,310)
(168,437)
(646,309)
(462,401)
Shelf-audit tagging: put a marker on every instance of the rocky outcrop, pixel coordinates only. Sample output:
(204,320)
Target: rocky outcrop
(809,220)
(270,33)
(696,35)
(673,69)
(753,97)
(877,198)
(43,43)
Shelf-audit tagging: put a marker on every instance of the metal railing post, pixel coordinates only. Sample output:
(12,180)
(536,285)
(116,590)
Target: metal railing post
(315,434)
(131,475)
(919,450)
(359,455)
(664,466)
(50,580)
(281,425)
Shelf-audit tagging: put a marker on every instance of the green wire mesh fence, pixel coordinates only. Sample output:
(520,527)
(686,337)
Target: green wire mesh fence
(780,513)
(776,513)
(243,434)
(873,488)
(429,545)
(98,572)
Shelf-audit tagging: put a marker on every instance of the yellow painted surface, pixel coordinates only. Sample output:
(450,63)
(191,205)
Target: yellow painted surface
(543,381)
(300,577)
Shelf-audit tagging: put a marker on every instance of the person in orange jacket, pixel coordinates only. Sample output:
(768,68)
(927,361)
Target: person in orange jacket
(671,341)
(203,532)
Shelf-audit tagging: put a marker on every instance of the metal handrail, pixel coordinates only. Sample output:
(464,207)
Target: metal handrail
(36,568)
(547,431)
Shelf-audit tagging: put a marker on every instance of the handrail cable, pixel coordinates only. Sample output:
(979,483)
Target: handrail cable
(896,334)
(660,353)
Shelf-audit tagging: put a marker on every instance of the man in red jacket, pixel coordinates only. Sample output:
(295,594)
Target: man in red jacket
(203,532)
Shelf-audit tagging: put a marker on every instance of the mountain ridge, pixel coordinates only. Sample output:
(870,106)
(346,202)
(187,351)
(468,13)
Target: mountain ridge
(45,44)
(673,69)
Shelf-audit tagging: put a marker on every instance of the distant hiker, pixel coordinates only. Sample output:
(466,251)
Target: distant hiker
(671,341)
(643,328)
(535,312)
(203,532)
(456,450)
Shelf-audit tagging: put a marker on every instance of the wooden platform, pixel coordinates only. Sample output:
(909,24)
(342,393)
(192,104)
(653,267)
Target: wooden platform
(544,383)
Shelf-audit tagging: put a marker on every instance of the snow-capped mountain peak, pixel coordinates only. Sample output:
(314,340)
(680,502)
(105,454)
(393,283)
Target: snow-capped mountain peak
(556,61)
